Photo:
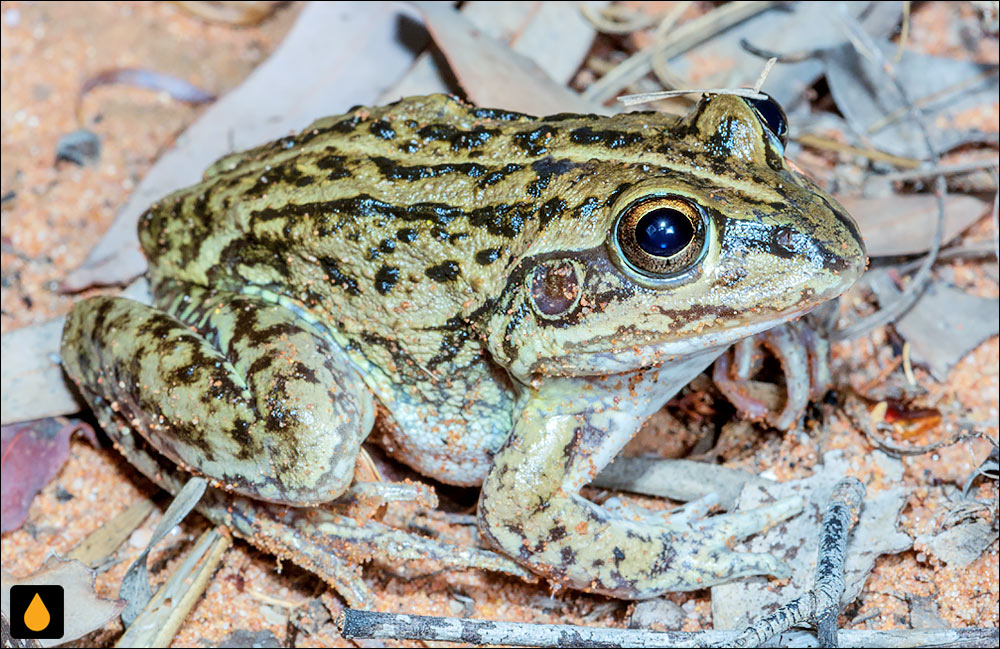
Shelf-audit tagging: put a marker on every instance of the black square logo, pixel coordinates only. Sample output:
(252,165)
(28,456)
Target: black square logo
(36,612)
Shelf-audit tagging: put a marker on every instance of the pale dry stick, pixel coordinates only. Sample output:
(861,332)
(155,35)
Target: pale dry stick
(167,610)
(683,38)
(971,250)
(355,624)
(103,541)
(763,73)
(645,97)
(825,143)
(822,602)
(904,32)
(615,19)
(863,42)
(661,67)
(941,170)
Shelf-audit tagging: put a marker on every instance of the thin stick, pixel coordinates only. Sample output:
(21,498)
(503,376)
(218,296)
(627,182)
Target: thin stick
(370,624)
(644,97)
(825,143)
(822,602)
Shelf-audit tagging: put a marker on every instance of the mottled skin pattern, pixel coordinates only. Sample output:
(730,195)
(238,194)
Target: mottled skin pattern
(456,270)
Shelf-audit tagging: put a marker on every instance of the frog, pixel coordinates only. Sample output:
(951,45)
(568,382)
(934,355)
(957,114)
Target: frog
(498,300)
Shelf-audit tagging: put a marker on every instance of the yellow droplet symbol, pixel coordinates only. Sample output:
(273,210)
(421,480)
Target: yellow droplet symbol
(36,617)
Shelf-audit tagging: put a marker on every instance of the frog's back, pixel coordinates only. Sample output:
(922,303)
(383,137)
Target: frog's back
(393,222)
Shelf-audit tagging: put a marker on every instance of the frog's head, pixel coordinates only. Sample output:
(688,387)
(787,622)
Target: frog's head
(702,236)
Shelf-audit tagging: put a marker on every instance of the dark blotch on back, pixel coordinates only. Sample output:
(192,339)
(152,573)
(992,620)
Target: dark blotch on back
(610,139)
(381,128)
(533,142)
(487,256)
(386,278)
(394,171)
(447,271)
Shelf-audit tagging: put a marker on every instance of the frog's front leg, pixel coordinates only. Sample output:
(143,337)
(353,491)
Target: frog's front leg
(530,507)
(230,386)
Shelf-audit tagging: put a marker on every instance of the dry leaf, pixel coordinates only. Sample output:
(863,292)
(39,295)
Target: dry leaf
(494,75)
(905,224)
(84,611)
(32,453)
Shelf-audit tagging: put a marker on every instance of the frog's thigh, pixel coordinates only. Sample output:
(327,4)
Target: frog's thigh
(251,398)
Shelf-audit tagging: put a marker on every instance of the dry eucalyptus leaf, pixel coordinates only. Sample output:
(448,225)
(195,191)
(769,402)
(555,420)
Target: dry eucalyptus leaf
(960,545)
(944,325)
(793,28)
(905,224)
(737,604)
(84,611)
(494,75)
(31,368)
(337,55)
(554,35)
(32,453)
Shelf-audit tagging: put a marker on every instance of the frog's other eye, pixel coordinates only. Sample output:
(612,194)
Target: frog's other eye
(771,114)
(660,236)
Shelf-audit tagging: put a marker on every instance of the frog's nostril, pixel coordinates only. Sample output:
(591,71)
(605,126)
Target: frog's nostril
(784,238)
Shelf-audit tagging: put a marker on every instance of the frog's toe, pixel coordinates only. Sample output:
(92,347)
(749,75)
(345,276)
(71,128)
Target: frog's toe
(744,524)
(728,565)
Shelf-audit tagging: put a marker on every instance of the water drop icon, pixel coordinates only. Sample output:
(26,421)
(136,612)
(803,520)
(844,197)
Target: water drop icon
(36,616)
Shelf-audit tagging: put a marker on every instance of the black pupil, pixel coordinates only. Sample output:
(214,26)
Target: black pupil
(773,117)
(664,232)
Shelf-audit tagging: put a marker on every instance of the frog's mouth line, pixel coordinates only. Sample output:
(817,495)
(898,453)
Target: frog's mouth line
(627,359)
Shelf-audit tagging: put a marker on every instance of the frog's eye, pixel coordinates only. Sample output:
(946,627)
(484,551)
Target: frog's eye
(771,114)
(660,235)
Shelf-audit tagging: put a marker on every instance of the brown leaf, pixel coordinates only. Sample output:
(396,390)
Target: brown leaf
(905,225)
(84,611)
(494,75)
(31,453)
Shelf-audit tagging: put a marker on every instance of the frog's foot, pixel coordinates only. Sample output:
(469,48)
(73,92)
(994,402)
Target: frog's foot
(530,506)
(706,539)
(365,500)
(320,540)
(804,355)
(230,386)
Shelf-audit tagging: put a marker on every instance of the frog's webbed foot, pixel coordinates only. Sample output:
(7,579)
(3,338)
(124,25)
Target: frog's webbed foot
(802,350)
(530,507)
(234,387)
(706,539)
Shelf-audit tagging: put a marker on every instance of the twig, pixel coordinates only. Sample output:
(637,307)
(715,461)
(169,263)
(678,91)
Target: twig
(790,57)
(825,143)
(356,624)
(105,539)
(644,97)
(615,19)
(941,170)
(840,517)
(822,602)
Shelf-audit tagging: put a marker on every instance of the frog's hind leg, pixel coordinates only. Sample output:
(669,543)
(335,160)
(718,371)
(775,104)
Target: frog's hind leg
(318,539)
(230,386)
